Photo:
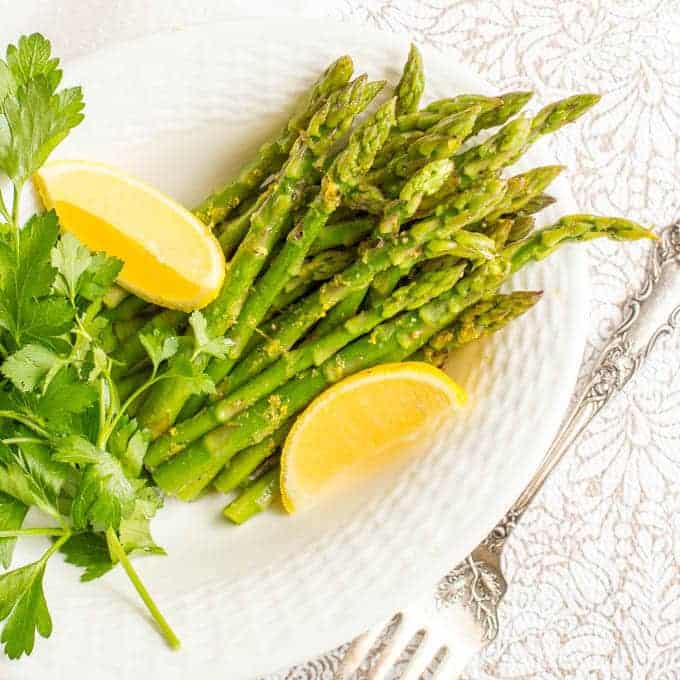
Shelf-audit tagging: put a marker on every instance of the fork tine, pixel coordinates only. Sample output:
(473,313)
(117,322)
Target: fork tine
(405,632)
(362,648)
(426,663)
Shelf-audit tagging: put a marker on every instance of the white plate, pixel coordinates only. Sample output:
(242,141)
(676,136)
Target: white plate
(183,110)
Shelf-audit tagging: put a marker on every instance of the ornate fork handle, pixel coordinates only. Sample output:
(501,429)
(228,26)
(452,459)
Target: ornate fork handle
(654,312)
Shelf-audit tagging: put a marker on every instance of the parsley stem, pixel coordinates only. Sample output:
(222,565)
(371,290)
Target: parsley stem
(104,432)
(16,195)
(38,531)
(24,420)
(55,546)
(118,553)
(23,440)
(122,410)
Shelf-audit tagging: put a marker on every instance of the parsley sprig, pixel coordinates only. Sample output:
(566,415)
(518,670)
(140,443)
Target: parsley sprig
(68,446)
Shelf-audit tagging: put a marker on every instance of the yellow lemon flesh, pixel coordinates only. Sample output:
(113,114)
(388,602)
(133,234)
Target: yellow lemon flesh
(170,257)
(360,424)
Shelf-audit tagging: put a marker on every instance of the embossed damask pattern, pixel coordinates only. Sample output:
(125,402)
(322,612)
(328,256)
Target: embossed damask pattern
(594,567)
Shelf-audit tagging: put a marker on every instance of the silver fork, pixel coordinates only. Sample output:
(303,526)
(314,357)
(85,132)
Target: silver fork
(441,634)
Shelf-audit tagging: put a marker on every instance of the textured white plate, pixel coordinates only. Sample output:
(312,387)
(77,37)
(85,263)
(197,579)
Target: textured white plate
(182,111)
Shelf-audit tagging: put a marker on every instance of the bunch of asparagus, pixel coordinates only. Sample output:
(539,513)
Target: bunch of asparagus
(349,244)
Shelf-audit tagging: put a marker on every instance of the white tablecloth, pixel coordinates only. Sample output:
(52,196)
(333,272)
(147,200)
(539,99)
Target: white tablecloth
(594,567)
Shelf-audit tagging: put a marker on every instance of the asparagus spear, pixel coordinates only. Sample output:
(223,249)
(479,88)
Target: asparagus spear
(345,233)
(511,103)
(366,198)
(396,143)
(538,203)
(423,120)
(407,248)
(257,497)
(573,228)
(499,232)
(482,319)
(345,309)
(234,230)
(486,317)
(314,353)
(190,471)
(340,179)
(441,142)
(271,155)
(326,126)
(502,109)
(245,462)
(128,309)
(320,267)
(523,188)
(411,86)
(425,182)
(522,226)
(494,153)
(556,115)
(127,328)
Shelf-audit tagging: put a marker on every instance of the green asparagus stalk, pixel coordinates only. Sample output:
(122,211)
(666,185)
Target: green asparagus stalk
(272,154)
(499,232)
(556,115)
(326,126)
(127,328)
(129,308)
(344,310)
(257,497)
(525,187)
(425,182)
(114,296)
(407,248)
(414,295)
(494,153)
(560,113)
(411,86)
(538,203)
(320,267)
(190,471)
(442,141)
(522,226)
(396,144)
(482,319)
(234,230)
(346,233)
(366,198)
(573,228)
(245,462)
(340,179)
(423,120)
(511,104)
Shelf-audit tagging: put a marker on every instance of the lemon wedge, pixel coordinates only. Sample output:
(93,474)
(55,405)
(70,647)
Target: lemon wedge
(170,257)
(359,425)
